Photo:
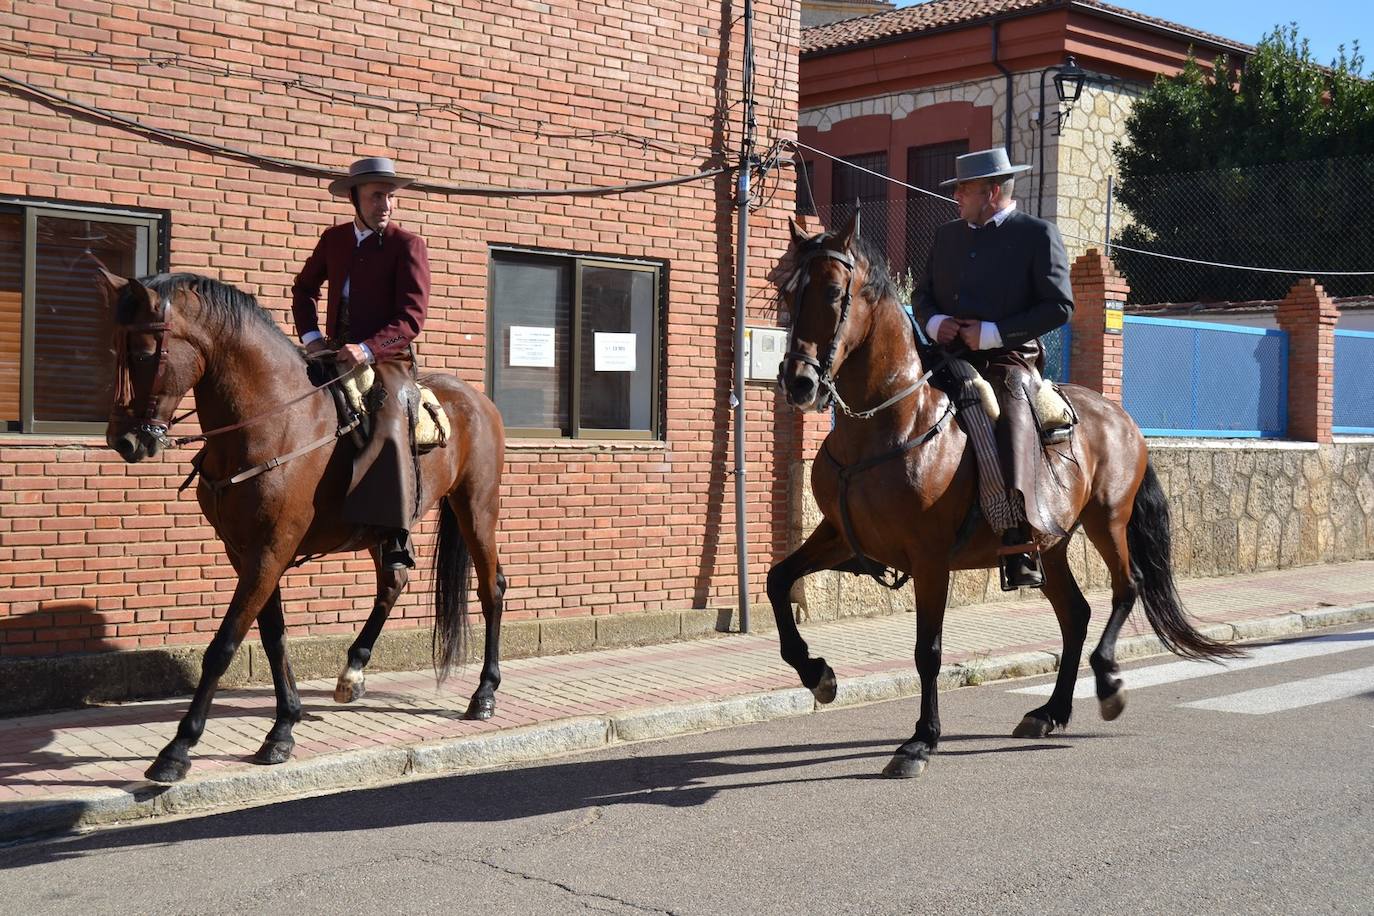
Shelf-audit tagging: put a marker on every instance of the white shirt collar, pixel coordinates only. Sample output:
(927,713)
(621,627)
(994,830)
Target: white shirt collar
(359,234)
(999,217)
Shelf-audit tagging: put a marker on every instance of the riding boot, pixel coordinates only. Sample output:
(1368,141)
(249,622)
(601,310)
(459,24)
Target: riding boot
(1020,569)
(396,550)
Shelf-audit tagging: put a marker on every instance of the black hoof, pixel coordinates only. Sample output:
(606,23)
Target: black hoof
(481,708)
(1033,727)
(904,766)
(274,752)
(1113,705)
(825,688)
(168,769)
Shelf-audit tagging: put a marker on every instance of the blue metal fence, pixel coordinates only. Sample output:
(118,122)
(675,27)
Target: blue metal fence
(1354,395)
(1193,378)
(1056,344)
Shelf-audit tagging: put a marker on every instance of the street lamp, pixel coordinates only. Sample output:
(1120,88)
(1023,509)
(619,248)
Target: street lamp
(1068,86)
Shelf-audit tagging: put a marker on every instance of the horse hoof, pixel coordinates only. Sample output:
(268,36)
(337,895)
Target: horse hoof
(274,752)
(826,688)
(349,688)
(168,770)
(1113,705)
(1031,727)
(903,767)
(481,708)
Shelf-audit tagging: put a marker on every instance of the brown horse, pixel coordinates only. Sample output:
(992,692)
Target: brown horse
(273,475)
(897,487)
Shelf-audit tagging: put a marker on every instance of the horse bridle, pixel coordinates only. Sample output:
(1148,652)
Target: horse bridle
(148,422)
(822,367)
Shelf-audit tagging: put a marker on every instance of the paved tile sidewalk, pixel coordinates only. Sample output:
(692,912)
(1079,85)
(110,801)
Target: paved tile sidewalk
(66,756)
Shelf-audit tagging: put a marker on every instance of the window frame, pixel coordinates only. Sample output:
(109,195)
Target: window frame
(158,223)
(577,262)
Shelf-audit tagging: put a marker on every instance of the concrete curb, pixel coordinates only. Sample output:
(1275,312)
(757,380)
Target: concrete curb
(376,766)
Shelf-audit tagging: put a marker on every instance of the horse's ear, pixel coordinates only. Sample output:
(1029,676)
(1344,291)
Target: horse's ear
(110,284)
(799,237)
(850,232)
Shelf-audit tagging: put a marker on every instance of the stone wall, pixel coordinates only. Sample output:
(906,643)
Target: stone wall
(1076,190)
(1235,507)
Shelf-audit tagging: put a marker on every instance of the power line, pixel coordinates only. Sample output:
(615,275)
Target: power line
(347,96)
(1115,247)
(292,166)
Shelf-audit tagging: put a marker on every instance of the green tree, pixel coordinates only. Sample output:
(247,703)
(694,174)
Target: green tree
(1266,163)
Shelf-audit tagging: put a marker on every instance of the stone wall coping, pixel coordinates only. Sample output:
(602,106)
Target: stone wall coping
(1255,445)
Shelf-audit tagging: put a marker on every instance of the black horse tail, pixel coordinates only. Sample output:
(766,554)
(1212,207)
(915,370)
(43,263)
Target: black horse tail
(452,566)
(1148,539)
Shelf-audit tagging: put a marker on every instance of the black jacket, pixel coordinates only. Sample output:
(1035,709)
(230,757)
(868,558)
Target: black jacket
(1015,274)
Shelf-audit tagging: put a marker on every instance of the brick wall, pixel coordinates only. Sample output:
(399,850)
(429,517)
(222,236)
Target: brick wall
(97,555)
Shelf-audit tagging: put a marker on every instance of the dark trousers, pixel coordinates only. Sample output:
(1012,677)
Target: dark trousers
(384,492)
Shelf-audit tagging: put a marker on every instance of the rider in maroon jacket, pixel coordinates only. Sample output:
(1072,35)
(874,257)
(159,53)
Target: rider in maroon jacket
(378,276)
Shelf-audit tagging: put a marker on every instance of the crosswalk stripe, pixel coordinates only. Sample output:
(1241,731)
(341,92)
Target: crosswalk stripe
(1293,694)
(1260,656)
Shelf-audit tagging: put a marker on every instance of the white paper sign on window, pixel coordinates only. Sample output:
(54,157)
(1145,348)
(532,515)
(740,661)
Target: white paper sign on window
(531,347)
(615,352)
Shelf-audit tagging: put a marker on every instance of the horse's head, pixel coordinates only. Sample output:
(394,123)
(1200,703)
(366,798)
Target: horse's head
(829,311)
(154,367)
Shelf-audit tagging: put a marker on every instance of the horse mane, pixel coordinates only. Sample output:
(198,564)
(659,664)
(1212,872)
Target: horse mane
(227,306)
(877,283)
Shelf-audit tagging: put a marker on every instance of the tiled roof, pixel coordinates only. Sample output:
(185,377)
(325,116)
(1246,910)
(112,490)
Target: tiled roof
(936,14)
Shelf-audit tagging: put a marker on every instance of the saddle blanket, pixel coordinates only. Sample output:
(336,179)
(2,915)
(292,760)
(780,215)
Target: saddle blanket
(432,427)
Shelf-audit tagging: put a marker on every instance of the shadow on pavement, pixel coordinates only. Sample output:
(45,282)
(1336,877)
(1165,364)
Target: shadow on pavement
(671,780)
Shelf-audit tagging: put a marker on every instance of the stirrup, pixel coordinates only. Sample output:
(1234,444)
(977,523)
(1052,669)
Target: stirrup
(394,552)
(1029,575)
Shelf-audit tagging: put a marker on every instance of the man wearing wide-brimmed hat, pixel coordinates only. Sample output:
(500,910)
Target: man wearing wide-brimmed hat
(995,281)
(378,276)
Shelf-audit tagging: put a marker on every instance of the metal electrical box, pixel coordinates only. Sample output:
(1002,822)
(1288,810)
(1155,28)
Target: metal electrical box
(763,350)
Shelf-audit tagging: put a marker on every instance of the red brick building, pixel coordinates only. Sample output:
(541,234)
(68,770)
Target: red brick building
(96,555)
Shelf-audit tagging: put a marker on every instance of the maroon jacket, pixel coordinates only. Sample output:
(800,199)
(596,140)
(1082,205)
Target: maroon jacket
(388,289)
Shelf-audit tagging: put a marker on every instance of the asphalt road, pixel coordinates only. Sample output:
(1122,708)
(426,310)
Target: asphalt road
(1245,802)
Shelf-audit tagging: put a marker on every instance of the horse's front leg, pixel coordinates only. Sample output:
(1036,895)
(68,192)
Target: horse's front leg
(279,744)
(258,578)
(824,549)
(910,760)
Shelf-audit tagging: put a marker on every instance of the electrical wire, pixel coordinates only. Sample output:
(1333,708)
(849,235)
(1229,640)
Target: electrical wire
(281,164)
(1114,246)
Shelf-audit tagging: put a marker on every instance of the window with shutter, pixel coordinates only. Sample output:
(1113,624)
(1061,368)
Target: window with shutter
(56,356)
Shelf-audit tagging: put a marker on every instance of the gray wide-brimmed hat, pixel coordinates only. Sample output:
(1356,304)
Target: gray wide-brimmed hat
(378,168)
(987,163)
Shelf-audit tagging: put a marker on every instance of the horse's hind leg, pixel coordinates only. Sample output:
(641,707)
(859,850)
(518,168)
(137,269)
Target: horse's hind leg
(824,549)
(391,582)
(477,519)
(272,627)
(1072,611)
(1109,537)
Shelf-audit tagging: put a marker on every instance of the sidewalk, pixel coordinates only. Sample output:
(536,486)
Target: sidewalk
(82,768)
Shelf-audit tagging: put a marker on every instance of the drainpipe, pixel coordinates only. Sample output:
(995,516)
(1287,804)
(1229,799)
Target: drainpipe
(1006,130)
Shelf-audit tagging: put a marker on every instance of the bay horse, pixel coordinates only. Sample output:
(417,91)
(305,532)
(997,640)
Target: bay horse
(897,487)
(273,474)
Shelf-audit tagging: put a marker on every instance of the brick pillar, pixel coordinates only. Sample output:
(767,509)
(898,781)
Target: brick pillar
(1309,317)
(1099,296)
